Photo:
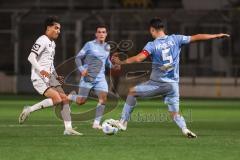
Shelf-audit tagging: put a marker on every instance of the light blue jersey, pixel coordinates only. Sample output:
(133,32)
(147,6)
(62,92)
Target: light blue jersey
(165,53)
(164,79)
(94,57)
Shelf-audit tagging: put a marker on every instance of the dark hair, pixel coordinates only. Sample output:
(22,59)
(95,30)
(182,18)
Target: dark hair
(102,26)
(157,23)
(49,21)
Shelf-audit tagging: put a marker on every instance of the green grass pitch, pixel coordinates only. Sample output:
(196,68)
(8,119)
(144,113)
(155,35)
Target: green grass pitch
(150,135)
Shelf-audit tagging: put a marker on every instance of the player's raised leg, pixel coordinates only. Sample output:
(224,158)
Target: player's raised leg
(81,97)
(53,99)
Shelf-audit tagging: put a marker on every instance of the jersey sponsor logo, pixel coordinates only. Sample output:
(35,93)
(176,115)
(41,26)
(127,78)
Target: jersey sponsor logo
(36,47)
(185,38)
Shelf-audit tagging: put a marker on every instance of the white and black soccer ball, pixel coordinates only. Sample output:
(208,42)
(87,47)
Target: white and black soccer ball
(109,127)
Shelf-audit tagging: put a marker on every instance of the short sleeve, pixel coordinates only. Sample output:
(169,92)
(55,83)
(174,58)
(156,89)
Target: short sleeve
(38,46)
(182,39)
(149,47)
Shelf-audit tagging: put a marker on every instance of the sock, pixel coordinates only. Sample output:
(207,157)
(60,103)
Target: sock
(68,124)
(99,113)
(180,121)
(72,97)
(131,100)
(128,108)
(43,104)
(65,112)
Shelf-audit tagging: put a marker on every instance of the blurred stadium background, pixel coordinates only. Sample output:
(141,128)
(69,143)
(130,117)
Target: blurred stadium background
(209,74)
(212,66)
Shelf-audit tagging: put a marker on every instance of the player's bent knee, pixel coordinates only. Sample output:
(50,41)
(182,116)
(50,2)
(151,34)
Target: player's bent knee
(81,101)
(173,114)
(103,100)
(57,100)
(132,91)
(65,101)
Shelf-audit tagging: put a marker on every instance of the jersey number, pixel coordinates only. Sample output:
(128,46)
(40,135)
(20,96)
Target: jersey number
(167,59)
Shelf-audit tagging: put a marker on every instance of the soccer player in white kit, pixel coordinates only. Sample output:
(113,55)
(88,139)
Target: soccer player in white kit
(44,77)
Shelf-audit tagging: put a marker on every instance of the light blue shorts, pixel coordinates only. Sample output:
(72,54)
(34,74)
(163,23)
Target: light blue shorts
(97,86)
(169,91)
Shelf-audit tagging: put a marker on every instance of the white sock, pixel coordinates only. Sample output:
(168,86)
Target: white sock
(96,122)
(65,112)
(68,124)
(43,104)
(180,121)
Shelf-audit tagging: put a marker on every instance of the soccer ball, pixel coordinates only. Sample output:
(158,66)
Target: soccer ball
(109,127)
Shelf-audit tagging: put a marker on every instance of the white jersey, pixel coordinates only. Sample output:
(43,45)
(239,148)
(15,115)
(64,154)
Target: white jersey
(44,48)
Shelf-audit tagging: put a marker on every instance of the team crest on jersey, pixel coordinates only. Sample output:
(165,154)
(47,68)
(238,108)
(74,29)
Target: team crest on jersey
(36,47)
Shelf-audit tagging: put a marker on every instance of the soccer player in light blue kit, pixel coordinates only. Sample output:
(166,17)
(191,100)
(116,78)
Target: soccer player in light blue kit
(91,62)
(164,79)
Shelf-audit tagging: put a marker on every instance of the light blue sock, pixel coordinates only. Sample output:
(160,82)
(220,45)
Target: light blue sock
(180,121)
(99,112)
(73,97)
(128,108)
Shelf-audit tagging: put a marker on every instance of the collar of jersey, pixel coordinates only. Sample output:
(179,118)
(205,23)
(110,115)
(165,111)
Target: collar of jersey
(95,41)
(162,37)
(48,38)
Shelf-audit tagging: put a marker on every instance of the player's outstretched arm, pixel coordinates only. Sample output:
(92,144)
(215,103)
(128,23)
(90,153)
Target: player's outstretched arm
(135,59)
(202,37)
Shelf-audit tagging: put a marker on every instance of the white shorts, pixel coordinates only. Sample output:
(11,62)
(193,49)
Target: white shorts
(41,86)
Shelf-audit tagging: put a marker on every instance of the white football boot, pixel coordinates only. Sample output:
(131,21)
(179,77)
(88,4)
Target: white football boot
(96,126)
(71,132)
(188,133)
(121,125)
(24,115)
